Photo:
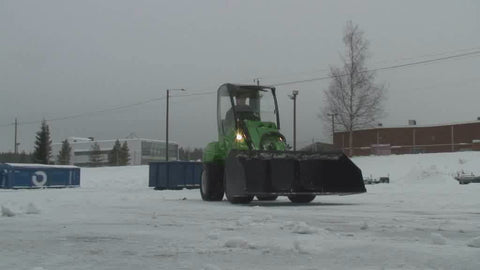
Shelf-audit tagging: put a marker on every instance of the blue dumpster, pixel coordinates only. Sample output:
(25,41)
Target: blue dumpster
(175,174)
(17,175)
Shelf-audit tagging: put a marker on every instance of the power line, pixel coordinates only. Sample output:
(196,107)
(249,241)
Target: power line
(383,68)
(91,113)
(403,59)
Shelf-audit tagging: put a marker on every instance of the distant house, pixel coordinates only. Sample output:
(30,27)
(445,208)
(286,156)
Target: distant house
(412,139)
(142,151)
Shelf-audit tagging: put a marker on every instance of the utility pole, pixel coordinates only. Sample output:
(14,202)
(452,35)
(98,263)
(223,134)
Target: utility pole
(257,80)
(166,129)
(294,97)
(333,125)
(16,144)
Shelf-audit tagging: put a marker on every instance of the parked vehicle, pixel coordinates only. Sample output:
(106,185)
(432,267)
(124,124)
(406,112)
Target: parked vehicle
(466,178)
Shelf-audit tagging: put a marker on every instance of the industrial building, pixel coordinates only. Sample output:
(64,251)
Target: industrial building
(412,139)
(142,151)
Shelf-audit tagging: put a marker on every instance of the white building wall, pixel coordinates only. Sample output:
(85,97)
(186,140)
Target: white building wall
(81,148)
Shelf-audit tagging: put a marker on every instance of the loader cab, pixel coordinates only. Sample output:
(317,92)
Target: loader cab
(237,103)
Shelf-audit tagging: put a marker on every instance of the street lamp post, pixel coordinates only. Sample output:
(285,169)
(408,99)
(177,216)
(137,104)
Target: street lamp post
(294,97)
(333,125)
(166,129)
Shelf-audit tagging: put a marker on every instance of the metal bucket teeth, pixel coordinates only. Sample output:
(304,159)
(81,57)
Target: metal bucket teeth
(283,173)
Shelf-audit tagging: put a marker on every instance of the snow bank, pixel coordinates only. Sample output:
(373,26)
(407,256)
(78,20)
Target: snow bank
(419,168)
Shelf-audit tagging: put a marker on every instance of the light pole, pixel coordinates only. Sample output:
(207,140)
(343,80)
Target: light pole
(333,126)
(166,129)
(294,97)
(16,143)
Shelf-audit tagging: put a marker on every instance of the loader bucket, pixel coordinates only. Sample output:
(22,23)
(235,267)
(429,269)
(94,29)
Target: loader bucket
(287,173)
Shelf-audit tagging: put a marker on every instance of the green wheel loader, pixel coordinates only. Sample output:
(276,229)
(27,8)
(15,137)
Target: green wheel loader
(251,157)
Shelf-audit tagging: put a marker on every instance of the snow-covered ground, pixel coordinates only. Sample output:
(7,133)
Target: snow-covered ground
(423,219)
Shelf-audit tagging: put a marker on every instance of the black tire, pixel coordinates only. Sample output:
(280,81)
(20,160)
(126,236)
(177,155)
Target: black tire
(267,197)
(236,199)
(240,199)
(301,198)
(211,185)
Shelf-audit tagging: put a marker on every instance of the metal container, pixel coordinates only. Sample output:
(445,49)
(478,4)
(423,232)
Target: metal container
(17,175)
(175,174)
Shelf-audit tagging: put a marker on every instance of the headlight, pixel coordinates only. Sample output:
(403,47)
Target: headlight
(239,136)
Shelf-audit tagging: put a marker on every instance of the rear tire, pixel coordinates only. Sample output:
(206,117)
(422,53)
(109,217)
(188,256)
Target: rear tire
(301,198)
(211,186)
(267,197)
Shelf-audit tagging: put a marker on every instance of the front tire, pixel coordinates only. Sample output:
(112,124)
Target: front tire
(301,198)
(267,197)
(240,199)
(211,186)
(236,199)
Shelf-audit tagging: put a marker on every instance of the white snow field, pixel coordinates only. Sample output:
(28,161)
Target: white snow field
(423,219)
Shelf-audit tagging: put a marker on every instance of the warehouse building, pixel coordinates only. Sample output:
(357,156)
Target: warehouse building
(412,139)
(142,151)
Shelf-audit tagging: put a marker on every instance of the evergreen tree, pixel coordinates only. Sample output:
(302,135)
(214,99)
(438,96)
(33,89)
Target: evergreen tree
(189,154)
(25,158)
(197,154)
(10,157)
(124,154)
(182,155)
(114,155)
(43,145)
(95,155)
(64,154)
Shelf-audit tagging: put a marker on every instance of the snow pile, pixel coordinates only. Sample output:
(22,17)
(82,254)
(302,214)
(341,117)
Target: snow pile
(438,239)
(300,247)
(364,226)
(237,242)
(307,246)
(32,209)
(213,236)
(299,227)
(6,212)
(475,242)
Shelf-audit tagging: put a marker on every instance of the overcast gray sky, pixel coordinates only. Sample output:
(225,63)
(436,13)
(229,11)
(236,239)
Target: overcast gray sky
(63,58)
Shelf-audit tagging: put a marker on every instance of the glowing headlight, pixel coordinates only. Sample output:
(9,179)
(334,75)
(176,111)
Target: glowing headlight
(239,136)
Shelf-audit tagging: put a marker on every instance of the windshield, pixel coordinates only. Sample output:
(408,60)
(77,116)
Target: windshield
(245,103)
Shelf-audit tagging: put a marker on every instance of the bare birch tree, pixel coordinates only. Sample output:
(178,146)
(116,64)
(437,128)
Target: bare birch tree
(353,96)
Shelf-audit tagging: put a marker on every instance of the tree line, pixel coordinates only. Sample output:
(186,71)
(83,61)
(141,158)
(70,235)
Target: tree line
(118,156)
(190,154)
